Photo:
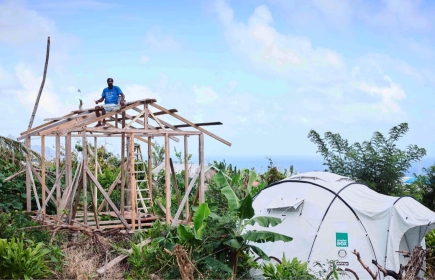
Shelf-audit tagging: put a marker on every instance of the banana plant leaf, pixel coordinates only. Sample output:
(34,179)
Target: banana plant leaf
(265,236)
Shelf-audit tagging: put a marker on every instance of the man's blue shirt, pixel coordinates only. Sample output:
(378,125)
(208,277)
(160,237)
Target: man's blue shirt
(111,95)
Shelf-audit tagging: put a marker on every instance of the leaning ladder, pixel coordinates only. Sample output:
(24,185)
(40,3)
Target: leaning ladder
(143,195)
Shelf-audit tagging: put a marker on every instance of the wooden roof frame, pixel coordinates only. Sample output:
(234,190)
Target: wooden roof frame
(80,123)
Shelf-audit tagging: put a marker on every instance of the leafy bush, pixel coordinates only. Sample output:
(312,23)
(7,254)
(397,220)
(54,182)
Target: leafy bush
(287,269)
(10,223)
(20,262)
(379,163)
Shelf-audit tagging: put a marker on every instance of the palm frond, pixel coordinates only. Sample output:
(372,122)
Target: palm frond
(10,147)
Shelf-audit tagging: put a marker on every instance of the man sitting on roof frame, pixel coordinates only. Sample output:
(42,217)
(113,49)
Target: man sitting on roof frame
(111,99)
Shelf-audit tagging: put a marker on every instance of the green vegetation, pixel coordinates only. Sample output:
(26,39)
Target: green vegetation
(20,261)
(287,269)
(378,163)
(218,244)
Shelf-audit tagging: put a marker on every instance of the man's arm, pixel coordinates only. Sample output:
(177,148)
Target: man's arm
(122,102)
(99,100)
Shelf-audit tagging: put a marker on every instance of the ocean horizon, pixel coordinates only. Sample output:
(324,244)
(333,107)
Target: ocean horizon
(300,164)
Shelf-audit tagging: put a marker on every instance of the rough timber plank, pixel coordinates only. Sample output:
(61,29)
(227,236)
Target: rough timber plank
(192,124)
(103,192)
(79,124)
(151,127)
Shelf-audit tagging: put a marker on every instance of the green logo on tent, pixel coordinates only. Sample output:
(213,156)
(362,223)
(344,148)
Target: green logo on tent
(341,239)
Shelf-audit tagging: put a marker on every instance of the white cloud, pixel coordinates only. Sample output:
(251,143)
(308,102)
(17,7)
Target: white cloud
(390,94)
(400,15)
(160,42)
(49,104)
(204,95)
(290,56)
(144,59)
(19,25)
(336,11)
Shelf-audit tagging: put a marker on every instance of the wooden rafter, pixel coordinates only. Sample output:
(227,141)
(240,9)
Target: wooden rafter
(191,124)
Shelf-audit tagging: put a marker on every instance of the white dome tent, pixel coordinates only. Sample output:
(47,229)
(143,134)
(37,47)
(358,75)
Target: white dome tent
(329,216)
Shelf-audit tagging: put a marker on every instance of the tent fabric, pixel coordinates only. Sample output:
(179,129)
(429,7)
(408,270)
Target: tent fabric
(337,215)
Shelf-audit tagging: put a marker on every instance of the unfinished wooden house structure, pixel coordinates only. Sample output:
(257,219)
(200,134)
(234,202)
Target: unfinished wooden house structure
(137,120)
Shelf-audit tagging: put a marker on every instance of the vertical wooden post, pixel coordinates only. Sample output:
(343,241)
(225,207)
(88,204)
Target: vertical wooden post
(122,173)
(186,171)
(116,120)
(43,186)
(128,190)
(68,177)
(150,172)
(85,168)
(28,182)
(58,194)
(96,169)
(167,180)
(145,116)
(122,165)
(201,172)
(132,182)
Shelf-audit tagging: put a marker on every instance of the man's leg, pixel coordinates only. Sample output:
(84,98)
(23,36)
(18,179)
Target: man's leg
(97,113)
(103,112)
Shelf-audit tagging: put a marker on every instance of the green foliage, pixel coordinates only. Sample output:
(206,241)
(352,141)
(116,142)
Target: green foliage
(14,191)
(377,163)
(287,269)
(56,257)
(179,155)
(425,185)
(10,223)
(17,261)
(430,259)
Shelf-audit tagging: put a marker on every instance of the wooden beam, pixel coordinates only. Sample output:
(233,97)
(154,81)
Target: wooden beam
(47,55)
(94,197)
(157,120)
(45,201)
(201,173)
(94,206)
(152,127)
(142,101)
(135,118)
(36,174)
(150,172)
(57,159)
(186,195)
(85,187)
(192,124)
(198,124)
(85,122)
(137,130)
(167,180)
(68,159)
(174,179)
(186,171)
(28,174)
(103,192)
(43,173)
(35,192)
(49,128)
(132,181)
(70,191)
(159,113)
(111,188)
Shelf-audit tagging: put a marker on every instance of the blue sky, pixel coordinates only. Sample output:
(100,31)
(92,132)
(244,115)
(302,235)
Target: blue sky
(269,70)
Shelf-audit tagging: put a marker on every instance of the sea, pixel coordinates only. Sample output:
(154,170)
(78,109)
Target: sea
(300,164)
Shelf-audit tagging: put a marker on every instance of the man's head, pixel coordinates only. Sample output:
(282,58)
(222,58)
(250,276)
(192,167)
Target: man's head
(110,82)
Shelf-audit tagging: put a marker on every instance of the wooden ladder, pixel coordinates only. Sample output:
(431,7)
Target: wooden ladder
(143,195)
